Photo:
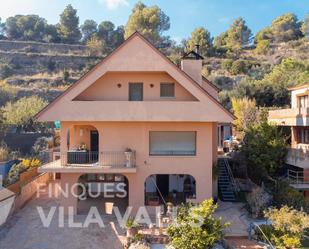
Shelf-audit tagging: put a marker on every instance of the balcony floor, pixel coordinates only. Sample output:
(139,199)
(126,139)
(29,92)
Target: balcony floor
(300,186)
(56,167)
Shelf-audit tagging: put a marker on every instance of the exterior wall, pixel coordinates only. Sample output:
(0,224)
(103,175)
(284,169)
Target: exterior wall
(80,134)
(295,93)
(116,136)
(106,88)
(193,68)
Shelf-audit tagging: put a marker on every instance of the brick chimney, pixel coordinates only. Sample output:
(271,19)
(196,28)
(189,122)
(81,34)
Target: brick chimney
(191,64)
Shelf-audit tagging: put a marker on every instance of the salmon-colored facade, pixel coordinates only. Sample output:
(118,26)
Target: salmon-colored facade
(297,118)
(130,110)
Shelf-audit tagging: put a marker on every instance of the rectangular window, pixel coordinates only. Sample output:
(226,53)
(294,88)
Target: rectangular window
(167,90)
(178,143)
(303,136)
(135,91)
(303,101)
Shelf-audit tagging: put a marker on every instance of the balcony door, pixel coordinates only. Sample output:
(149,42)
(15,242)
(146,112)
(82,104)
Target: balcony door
(94,141)
(135,91)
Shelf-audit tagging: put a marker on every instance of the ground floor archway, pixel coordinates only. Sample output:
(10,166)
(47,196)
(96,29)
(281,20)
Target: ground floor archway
(175,188)
(103,191)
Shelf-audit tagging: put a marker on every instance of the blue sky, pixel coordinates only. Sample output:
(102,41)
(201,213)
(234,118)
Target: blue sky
(185,15)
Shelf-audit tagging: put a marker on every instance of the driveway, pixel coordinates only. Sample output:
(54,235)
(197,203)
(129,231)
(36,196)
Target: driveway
(25,230)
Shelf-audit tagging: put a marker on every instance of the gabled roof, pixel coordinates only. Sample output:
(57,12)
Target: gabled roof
(107,64)
(192,55)
(298,87)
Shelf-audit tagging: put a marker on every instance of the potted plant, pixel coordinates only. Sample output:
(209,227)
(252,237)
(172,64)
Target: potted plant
(128,153)
(132,227)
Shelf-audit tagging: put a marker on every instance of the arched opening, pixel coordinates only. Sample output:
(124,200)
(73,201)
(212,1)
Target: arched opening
(103,191)
(174,188)
(82,145)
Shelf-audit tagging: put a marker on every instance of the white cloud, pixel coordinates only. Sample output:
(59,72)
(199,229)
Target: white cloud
(114,4)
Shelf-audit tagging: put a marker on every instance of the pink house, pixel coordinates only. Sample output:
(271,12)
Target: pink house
(136,118)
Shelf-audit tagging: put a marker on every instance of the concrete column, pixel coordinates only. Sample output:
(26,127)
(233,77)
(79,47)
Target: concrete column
(204,188)
(294,138)
(67,197)
(63,143)
(136,192)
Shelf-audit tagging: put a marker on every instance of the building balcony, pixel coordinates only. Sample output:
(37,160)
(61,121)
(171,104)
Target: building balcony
(298,179)
(290,117)
(298,156)
(93,162)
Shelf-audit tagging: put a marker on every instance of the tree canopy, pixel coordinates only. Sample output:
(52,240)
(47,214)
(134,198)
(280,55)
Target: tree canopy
(89,28)
(235,37)
(149,21)
(264,148)
(21,113)
(200,36)
(68,26)
(26,27)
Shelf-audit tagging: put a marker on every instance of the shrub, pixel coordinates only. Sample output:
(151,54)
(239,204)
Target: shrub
(284,194)
(264,148)
(65,76)
(239,67)
(196,227)
(257,201)
(21,113)
(287,226)
(227,64)
(40,145)
(17,169)
(14,173)
(6,71)
(262,47)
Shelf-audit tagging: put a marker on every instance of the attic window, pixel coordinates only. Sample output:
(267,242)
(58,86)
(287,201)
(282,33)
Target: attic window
(167,90)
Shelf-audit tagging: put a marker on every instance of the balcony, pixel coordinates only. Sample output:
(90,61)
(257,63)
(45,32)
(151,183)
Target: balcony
(298,156)
(291,116)
(93,162)
(298,179)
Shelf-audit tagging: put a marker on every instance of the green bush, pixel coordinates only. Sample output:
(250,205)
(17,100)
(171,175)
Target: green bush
(262,47)
(257,201)
(265,149)
(287,227)
(284,194)
(239,67)
(17,169)
(196,227)
(227,64)
(6,71)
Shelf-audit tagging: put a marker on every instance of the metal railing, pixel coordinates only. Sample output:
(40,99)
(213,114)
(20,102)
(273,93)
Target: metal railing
(234,183)
(297,177)
(252,227)
(103,158)
(80,157)
(117,159)
(300,153)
